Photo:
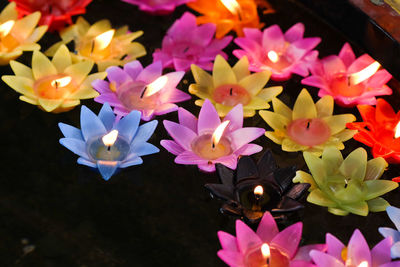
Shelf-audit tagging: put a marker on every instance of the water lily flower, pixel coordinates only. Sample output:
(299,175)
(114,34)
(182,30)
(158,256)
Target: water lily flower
(229,86)
(157,6)
(18,35)
(357,253)
(267,244)
(128,140)
(186,43)
(100,43)
(55,14)
(129,89)
(56,85)
(281,53)
(207,141)
(394,234)
(308,127)
(346,186)
(348,80)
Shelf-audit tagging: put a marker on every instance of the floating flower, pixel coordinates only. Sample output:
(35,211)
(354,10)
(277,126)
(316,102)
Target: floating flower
(55,14)
(186,43)
(309,127)
(142,89)
(265,246)
(206,141)
(394,234)
(101,43)
(106,143)
(258,187)
(18,35)
(356,253)
(379,130)
(346,186)
(348,80)
(157,6)
(231,15)
(56,85)
(229,86)
(281,53)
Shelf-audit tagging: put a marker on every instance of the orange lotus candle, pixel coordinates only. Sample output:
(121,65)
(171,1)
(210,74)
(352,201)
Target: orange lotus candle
(228,15)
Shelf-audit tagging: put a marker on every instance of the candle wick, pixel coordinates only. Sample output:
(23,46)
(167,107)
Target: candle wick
(346,183)
(308,125)
(213,145)
(231,92)
(108,148)
(143,92)
(92,47)
(186,49)
(56,84)
(50,9)
(267,261)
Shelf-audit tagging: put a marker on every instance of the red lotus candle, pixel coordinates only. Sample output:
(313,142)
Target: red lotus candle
(379,130)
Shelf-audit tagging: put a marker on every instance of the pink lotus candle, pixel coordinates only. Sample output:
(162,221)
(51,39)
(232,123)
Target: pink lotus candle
(348,80)
(157,6)
(281,53)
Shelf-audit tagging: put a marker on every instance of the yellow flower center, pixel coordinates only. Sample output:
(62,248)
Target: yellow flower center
(231,95)
(54,86)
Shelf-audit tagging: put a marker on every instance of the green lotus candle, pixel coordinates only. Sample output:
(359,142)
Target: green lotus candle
(349,185)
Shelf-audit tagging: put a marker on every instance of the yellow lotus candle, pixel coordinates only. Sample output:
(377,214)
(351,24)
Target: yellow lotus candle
(18,35)
(229,86)
(100,43)
(308,127)
(56,85)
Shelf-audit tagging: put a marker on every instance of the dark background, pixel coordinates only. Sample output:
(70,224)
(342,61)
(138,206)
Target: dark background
(154,214)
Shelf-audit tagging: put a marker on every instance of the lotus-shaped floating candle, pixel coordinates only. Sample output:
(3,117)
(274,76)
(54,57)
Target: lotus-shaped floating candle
(142,89)
(207,141)
(56,85)
(267,247)
(101,43)
(157,6)
(380,130)
(186,43)
(356,253)
(348,80)
(309,127)
(256,188)
(228,15)
(229,86)
(281,53)
(394,234)
(346,186)
(18,35)
(55,13)
(106,143)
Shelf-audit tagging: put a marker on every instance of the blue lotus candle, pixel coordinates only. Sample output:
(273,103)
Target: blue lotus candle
(108,144)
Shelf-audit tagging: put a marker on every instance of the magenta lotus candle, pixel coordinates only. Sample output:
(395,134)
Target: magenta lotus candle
(281,53)
(144,89)
(349,80)
(157,6)
(186,43)
(207,141)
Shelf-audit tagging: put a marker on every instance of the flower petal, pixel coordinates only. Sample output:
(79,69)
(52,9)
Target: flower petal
(334,246)
(346,54)
(128,125)
(228,241)
(246,238)
(61,59)
(208,118)
(381,252)
(337,123)
(322,259)
(358,250)
(151,72)
(267,229)
(231,258)
(243,136)
(255,82)
(324,106)
(294,33)
(394,215)
(21,70)
(288,240)
(241,68)
(274,120)
(172,147)
(304,107)
(202,77)
(42,66)
(222,72)
(355,165)
(133,69)
(235,116)
(91,125)
(107,169)
(79,71)
(75,145)
(70,131)
(181,134)
(189,158)
(375,168)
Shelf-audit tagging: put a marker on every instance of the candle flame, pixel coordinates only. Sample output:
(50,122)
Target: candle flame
(364,74)
(273,56)
(258,190)
(266,252)
(103,40)
(6,27)
(155,86)
(397,131)
(216,137)
(363,264)
(110,138)
(232,5)
(61,82)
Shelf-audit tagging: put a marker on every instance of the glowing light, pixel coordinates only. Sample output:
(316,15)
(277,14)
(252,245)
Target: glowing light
(61,82)
(232,5)
(364,74)
(6,27)
(103,40)
(258,191)
(155,86)
(273,56)
(216,137)
(397,131)
(110,138)
(266,252)
(363,264)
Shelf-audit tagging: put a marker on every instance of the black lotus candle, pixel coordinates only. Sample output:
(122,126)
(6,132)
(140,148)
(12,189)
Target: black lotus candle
(258,187)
